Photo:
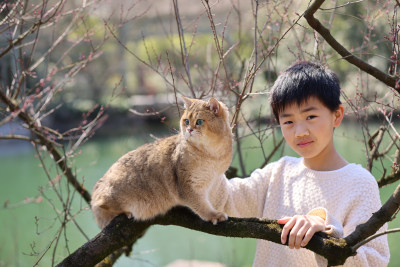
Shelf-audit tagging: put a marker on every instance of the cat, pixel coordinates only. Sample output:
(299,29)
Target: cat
(177,170)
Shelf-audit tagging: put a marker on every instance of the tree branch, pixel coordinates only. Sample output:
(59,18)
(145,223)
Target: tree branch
(123,232)
(378,219)
(50,146)
(18,137)
(389,179)
(325,33)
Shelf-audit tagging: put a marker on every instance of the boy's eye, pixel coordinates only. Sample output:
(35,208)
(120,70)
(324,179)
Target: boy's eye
(311,117)
(186,122)
(199,122)
(287,122)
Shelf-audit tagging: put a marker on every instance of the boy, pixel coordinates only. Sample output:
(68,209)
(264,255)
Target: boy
(319,191)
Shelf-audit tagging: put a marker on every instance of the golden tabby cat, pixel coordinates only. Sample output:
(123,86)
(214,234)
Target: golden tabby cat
(178,170)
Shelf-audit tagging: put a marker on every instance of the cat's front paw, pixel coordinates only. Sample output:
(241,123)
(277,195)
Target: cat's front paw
(218,217)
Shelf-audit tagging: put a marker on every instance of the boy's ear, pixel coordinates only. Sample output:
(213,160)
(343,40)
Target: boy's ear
(339,114)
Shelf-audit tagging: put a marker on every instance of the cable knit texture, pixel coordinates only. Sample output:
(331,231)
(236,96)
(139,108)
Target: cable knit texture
(348,197)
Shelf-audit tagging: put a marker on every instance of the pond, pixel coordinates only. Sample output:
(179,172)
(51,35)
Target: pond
(29,221)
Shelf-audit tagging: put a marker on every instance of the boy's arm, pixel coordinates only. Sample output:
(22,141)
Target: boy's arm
(299,229)
(241,197)
(375,252)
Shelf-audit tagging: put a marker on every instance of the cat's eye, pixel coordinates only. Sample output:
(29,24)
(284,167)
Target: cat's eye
(199,122)
(186,122)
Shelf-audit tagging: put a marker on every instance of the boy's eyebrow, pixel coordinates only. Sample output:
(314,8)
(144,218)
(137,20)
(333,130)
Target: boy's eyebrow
(311,108)
(304,110)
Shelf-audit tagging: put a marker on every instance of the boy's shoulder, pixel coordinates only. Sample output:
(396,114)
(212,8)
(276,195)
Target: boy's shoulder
(294,165)
(359,174)
(285,162)
(354,175)
(289,161)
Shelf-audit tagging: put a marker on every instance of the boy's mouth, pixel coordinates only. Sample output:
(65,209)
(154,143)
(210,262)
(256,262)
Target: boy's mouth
(304,143)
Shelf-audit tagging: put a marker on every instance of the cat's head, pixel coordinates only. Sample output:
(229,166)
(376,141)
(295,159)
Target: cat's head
(205,122)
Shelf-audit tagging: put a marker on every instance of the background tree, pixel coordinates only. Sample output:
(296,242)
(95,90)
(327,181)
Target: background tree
(67,66)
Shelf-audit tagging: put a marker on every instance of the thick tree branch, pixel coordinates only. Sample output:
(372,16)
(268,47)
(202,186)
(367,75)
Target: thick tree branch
(123,232)
(356,61)
(389,179)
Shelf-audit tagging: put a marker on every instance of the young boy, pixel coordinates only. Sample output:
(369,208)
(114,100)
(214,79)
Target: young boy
(320,191)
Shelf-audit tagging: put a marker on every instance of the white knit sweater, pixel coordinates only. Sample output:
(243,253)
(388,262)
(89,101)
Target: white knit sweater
(286,188)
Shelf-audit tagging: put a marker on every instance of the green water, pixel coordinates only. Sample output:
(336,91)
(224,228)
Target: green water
(28,228)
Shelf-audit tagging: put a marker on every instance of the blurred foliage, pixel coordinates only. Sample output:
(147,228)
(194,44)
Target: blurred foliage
(117,74)
(114,53)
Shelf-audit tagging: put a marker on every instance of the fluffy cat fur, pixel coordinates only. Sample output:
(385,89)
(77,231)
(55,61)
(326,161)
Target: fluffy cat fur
(177,170)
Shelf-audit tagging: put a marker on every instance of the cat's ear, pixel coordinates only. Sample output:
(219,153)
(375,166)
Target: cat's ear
(213,104)
(187,102)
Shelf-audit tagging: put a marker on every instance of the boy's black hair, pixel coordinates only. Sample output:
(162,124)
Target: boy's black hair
(302,81)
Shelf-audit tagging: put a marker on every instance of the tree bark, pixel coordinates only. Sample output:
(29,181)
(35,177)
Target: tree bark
(125,232)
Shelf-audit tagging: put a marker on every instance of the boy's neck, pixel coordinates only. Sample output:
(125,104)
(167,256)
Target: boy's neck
(327,161)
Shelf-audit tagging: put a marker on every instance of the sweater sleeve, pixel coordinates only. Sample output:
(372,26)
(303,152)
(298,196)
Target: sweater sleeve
(241,197)
(332,226)
(361,206)
(376,252)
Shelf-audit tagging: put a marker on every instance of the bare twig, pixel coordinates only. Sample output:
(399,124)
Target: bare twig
(18,137)
(136,56)
(372,237)
(173,83)
(33,29)
(273,151)
(249,77)
(150,113)
(351,58)
(184,53)
(343,5)
(51,148)
(239,151)
(374,143)
(218,47)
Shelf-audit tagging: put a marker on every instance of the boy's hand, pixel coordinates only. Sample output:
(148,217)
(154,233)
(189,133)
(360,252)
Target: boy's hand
(301,228)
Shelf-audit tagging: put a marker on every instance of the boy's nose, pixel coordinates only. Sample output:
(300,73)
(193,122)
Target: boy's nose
(301,131)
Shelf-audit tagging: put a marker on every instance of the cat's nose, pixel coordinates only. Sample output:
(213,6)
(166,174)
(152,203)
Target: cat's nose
(190,130)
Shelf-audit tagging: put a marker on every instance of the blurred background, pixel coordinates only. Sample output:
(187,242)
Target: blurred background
(99,78)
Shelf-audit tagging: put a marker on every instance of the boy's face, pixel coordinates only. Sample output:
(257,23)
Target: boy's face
(308,129)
